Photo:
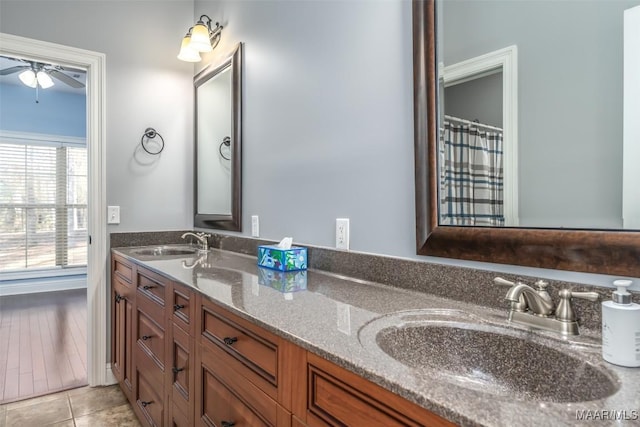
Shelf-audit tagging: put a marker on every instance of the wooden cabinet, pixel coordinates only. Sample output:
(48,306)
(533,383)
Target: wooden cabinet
(181,372)
(333,396)
(183,360)
(122,314)
(149,335)
(242,378)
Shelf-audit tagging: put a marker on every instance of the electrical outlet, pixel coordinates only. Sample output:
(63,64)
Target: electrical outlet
(113,214)
(342,233)
(255,226)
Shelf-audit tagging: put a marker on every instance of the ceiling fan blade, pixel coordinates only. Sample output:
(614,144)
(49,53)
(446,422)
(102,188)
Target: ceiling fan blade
(11,70)
(66,79)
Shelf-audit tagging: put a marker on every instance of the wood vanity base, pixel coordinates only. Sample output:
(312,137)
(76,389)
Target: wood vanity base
(183,360)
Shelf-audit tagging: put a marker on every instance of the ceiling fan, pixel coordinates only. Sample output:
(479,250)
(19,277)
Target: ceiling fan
(34,74)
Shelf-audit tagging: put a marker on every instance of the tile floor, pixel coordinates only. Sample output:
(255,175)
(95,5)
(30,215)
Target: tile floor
(80,407)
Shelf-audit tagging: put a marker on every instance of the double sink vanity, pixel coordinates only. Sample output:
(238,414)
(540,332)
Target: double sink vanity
(206,338)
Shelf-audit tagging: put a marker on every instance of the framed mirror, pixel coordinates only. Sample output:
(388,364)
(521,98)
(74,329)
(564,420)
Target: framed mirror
(574,242)
(218,144)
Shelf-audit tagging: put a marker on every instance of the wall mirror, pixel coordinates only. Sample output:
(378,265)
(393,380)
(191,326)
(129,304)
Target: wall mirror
(560,116)
(218,144)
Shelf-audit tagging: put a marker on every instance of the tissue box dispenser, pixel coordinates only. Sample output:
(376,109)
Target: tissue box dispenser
(280,259)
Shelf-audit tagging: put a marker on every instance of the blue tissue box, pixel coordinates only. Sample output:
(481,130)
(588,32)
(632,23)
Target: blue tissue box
(282,259)
(282,281)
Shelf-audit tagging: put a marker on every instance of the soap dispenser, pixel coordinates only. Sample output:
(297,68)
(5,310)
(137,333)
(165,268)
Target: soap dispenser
(621,328)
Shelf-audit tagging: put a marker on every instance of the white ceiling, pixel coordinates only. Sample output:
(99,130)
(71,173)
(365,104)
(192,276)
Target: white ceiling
(80,75)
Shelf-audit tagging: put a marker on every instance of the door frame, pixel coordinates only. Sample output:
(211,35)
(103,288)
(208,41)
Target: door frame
(505,61)
(98,370)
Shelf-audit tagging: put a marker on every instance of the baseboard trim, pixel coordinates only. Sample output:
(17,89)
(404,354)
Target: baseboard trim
(19,287)
(109,378)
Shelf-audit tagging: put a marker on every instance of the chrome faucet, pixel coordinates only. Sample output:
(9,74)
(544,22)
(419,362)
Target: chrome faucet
(534,307)
(203,238)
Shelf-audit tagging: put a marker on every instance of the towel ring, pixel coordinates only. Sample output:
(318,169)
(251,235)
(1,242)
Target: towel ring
(226,141)
(150,133)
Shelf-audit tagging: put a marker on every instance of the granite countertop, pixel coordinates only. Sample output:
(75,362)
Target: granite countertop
(338,318)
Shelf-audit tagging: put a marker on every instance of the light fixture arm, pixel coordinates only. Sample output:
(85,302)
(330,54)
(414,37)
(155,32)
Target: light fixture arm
(201,37)
(214,33)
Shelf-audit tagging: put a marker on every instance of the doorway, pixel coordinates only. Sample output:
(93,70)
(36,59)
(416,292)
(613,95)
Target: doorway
(98,371)
(43,228)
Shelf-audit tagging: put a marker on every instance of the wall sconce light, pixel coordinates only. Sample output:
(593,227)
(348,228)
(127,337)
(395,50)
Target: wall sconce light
(200,38)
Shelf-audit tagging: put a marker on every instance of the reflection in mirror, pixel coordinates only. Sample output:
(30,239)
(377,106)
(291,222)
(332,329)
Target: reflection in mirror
(549,154)
(479,156)
(559,103)
(218,144)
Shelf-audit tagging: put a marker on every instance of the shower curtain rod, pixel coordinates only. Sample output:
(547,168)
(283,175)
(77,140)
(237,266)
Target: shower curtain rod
(469,122)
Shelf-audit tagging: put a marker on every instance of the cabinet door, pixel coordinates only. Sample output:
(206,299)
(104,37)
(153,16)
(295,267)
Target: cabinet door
(121,327)
(181,372)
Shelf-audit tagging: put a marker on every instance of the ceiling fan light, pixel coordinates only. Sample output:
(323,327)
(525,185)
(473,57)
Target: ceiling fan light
(44,80)
(187,53)
(200,40)
(28,77)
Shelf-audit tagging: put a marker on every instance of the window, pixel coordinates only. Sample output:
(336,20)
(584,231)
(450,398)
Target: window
(43,202)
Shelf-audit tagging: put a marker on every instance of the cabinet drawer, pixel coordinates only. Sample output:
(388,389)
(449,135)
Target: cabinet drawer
(150,336)
(122,287)
(214,362)
(177,418)
(221,406)
(182,307)
(338,397)
(151,285)
(149,404)
(122,268)
(253,347)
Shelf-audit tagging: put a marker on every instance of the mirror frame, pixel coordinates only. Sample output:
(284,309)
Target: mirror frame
(591,251)
(231,222)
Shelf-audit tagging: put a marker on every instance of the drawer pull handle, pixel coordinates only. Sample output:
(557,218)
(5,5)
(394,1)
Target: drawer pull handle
(119,298)
(147,287)
(146,337)
(177,307)
(227,423)
(145,404)
(230,341)
(176,370)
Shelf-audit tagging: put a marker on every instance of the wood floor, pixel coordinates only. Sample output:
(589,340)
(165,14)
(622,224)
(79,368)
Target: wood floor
(43,343)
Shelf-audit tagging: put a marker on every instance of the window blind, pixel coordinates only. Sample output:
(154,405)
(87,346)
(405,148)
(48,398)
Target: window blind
(43,205)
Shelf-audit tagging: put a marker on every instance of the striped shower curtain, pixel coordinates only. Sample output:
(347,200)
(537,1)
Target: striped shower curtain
(471,181)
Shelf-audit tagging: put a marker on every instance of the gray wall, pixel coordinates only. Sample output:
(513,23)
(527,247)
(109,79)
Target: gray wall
(479,99)
(570,100)
(146,87)
(327,126)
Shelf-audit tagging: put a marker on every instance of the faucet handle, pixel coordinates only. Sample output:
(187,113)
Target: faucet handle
(505,282)
(521,304)
(564,311)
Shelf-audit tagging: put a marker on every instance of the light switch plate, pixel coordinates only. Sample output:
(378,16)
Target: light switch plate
(113,214)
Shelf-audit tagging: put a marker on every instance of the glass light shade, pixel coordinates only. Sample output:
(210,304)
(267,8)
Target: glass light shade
(28,77)
(200,38)
(187,53)
(44,80)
